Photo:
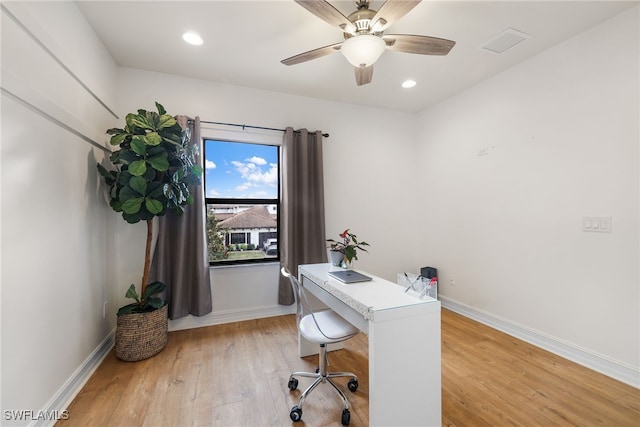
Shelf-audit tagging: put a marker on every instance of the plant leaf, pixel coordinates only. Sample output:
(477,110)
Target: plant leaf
(127,156)
(153,205)
(173,138)
(132,218)
(129,308)
(126,192)
(154,119)
(109,176)
(138,168)
(118,139)
(137,120)
(152,138)
(160,108)
(154,189)
(115,131)
(116,205)
(159,162)
(138,145)
(132,206)
(197,170)
(155,302)
(166,121)
(139,184)
(153,288)
(131,293)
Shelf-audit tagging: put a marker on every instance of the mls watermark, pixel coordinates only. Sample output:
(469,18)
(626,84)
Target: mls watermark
(31,415)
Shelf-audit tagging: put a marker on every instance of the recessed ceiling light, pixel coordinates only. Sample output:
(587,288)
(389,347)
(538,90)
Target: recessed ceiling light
(408,83)
(192,38)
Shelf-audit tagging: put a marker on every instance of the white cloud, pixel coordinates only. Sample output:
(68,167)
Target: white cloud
(257,160)
(255,174)
(208,164)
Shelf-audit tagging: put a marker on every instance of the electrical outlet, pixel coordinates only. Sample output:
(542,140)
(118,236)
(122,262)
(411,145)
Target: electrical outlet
(452,280)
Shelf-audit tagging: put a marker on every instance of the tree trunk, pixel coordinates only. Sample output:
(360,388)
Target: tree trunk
(147,258)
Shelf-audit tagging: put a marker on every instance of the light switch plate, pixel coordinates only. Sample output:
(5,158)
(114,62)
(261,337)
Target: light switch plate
(599,224)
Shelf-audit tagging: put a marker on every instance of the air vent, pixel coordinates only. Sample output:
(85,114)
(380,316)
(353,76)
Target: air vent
(505,40)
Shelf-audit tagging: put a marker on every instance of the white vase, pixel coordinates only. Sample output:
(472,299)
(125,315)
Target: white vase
(335,257)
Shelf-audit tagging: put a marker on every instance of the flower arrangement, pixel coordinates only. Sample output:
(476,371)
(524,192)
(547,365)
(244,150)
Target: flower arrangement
(348,246)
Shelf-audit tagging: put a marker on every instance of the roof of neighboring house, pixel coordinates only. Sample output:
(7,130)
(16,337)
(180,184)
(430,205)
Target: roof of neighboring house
(223,216)
(255,217)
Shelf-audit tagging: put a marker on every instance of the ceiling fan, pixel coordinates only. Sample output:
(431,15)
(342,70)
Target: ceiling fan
(364,35)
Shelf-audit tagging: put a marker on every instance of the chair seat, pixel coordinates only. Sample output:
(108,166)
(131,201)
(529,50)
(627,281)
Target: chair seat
(334,328)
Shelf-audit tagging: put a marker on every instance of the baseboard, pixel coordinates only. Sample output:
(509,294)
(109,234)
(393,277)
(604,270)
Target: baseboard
(57,406)
(229,316)
(617,370)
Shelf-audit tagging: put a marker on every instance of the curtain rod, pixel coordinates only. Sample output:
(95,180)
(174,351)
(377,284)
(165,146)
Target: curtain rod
(326,135)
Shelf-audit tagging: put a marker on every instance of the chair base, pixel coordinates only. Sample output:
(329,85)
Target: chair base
(322,376)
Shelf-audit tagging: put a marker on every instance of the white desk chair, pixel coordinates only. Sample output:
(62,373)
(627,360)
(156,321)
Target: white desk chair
(323,327)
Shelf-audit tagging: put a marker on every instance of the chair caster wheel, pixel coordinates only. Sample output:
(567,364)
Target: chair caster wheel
(296,414)
(353,384)
(293,384)
(346,417)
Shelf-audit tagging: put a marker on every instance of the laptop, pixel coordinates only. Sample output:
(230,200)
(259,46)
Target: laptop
(349,276)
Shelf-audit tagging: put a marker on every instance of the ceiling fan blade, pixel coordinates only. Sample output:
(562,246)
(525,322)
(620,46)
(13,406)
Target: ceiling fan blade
(364,75)
(390,12)
(327,13)
(422,45)
(312,54)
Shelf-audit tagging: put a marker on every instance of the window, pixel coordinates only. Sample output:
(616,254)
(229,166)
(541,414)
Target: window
(242,196)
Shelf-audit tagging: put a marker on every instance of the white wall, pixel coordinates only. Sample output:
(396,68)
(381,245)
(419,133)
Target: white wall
(368,161)
(562,135)
(56,244)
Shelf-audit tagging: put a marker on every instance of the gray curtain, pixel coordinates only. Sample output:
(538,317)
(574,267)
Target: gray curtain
(180,259)
(302,232)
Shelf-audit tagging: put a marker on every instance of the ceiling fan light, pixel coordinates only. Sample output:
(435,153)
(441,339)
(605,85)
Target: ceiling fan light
(363,50)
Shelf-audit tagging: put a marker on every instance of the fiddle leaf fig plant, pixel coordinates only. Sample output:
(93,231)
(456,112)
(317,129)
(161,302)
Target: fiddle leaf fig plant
(153,170)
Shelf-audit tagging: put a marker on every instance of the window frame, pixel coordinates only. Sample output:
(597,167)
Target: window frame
(234,201)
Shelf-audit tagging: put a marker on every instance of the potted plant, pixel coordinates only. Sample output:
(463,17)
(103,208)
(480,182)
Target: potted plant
(345,251)
(153,170)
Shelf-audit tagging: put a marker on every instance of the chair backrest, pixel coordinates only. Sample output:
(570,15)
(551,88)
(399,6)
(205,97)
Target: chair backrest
(303,308)
(302,305)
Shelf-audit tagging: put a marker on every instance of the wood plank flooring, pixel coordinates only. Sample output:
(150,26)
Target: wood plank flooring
(236,375)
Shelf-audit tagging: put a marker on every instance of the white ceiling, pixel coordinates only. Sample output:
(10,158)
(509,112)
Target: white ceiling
(244,42)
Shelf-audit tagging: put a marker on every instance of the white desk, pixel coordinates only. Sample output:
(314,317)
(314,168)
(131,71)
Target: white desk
(404,344)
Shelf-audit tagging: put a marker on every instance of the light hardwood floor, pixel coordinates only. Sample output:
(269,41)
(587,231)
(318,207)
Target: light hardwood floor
(236,375)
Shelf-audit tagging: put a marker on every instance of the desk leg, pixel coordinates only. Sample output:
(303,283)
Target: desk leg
(405,371)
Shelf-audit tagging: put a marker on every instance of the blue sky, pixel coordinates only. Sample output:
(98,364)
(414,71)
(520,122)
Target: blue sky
(240,170)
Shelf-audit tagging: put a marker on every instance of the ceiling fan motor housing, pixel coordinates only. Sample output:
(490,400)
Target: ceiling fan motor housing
(361,18)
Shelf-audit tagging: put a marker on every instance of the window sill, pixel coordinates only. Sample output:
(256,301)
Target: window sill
(243,265)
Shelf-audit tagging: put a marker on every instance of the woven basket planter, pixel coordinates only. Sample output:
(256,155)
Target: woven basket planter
(141,335)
